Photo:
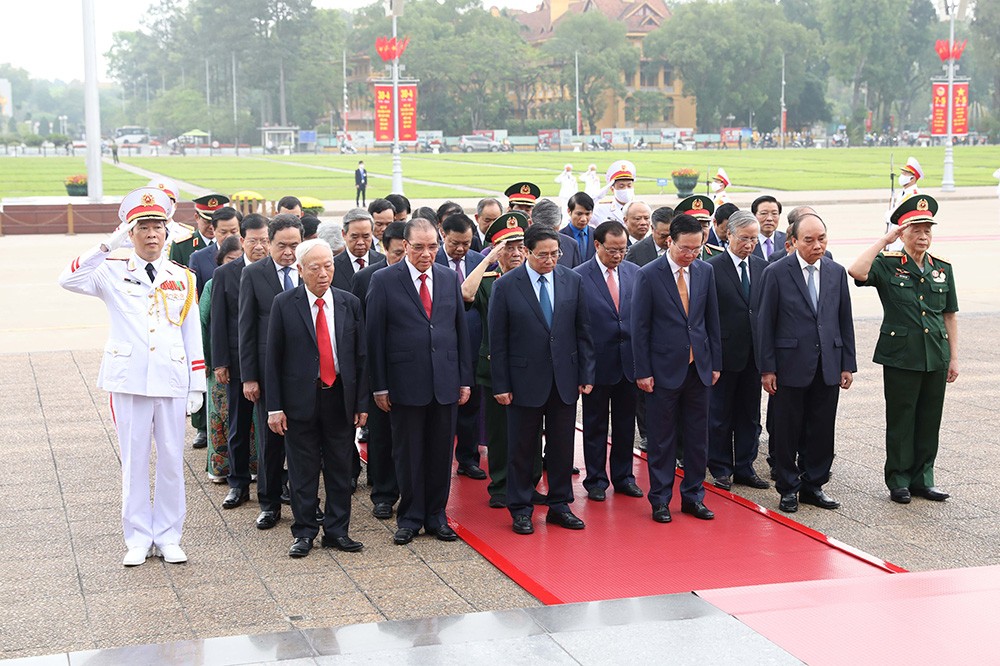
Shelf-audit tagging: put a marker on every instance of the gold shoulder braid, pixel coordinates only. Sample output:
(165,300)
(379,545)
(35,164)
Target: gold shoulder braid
(188,301)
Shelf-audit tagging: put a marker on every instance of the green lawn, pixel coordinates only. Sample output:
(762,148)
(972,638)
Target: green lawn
(331,176)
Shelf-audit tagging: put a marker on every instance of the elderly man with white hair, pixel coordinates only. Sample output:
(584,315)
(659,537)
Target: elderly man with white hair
(317,394)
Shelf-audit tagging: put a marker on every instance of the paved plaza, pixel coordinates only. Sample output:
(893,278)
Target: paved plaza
(65,589)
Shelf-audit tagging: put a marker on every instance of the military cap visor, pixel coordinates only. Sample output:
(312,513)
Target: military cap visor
(698,206)
(209,203)
(915,210)
(523,193)
(509,226)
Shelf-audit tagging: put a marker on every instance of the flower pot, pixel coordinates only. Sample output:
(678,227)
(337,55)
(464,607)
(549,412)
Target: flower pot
(76,190)
(685,185)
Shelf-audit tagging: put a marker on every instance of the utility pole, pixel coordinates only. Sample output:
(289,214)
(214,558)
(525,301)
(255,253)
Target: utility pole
(576,59)
(397,161)
(346,106)
(783,111)
(92,105)
(208,107)
(948,179)
(236,127)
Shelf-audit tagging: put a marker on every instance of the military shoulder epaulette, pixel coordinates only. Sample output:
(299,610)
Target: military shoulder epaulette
(181,266)
(116,259)
(938,257)
(491,274)
(714,247)
(185,227)
(892,253)
(182,237)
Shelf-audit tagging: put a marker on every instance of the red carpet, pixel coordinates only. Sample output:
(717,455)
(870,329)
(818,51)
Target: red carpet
(623,553)
(920,618)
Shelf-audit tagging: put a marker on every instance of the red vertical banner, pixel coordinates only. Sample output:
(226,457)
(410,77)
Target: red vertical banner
(939,108)
(383,113)
(407,112)
(960,110)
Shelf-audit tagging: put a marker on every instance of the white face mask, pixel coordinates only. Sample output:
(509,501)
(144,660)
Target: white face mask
(624,196)
(716,186)
(905,179)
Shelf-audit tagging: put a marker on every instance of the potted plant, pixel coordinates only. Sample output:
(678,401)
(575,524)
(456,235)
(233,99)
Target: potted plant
(76,186)
(685,180)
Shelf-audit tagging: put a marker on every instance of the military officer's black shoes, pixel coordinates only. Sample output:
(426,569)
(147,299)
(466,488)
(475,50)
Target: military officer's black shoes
(522,525)
(300,547)
(200,440)
(900,495)
(443,533)
(403,536)
(564,519)
(753,481)
(818,498)
(597,494)
(697,509)
(268,519)
(236,497)
(629,490)
(789,503)
(724,482)
(344,543)
(933,494)
(472,471)
(382,510)
(661,513)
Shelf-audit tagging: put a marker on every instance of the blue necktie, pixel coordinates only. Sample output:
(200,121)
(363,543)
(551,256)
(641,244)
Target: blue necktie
(745,279)
(544,301)
(288,280)
(811,286)
(581,240)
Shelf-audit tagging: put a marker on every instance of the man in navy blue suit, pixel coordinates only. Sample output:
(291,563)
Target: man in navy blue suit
(806,355)
(541,360)
(421,370)
(678,357)
(607,290)
(581,208)
(455,254)
(226,222)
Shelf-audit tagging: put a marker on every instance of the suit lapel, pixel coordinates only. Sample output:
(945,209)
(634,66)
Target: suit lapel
(666,274)
(528,291)
(339,317)
(271,275)
(597,275)
(729,269)
(827,278)
(796,275)
(409,287)
(302,305)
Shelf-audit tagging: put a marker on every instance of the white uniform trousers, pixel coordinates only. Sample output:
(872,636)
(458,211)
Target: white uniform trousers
(139,420)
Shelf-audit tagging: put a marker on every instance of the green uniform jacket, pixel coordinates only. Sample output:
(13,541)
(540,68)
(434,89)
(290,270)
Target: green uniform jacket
(481,303)
(182,250)
(912,336)
(708,251)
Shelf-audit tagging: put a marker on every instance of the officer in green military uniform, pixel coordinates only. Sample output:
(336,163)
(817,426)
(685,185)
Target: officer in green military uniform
(506,234)
(182,248)
(701,208)
(917,345)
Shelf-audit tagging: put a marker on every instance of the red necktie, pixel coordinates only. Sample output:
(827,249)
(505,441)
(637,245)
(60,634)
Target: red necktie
(361,261)
(425,295)
(327,369)
(613,288)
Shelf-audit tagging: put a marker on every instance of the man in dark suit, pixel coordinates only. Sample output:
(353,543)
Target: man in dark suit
(581,207)
(487,211)
(734,417)
(383,212)
(260,283)
(767,209)
(455,254)
(359,232)
(607,291)
(205,206)
(655,245)
(638,217)
(381,469)
(678,357)
(794,215)
(317,394)
(226,356)
(547,214)
(806,354)
(226,222)
(718,234)
(541,359)
(360,183)
(421,370)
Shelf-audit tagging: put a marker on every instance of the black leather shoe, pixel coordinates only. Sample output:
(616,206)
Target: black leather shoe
(629,490)
(498,501)
(403,536)
(933,494)
(344,543)
(319,516)
(564,519)
(472,471)
(235,497)
(268,519)
(697,509)
(724,482)
(382,510)
(818,498)
(900,495)
(538,498)
(789,503)
(363,435)
(661,513)
(286,495)
(597,494)
(200,440)
(752,481)
(300,547)
(522,525)
(443,533)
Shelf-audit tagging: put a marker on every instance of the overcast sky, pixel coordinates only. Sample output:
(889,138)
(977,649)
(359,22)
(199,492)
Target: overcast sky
(45,37)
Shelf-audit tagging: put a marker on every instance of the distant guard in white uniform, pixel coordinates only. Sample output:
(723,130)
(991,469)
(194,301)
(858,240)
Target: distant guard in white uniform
(621,191)
(719,185)
(909,174)
(153,367)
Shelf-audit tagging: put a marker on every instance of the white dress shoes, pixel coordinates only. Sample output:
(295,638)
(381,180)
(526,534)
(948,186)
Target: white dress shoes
(136,556)
(172,553)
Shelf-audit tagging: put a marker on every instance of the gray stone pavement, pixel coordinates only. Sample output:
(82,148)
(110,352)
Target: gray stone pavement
(61,548)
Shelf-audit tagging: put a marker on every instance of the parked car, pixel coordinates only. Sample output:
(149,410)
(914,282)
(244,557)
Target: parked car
(470,142)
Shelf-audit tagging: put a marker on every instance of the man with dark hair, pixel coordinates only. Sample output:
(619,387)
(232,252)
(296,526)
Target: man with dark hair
(290,205)
(401,206)
(383,212)
(381,469)
(455,254)
(718,235)
(360,183)
(260,283)
(580,207)
(542,359)
(359,231)
(607,291)
(310,224)
(181,250)
(225,222)
(678,357)
(768,212)
(420,372)
(545,212)
(654,245)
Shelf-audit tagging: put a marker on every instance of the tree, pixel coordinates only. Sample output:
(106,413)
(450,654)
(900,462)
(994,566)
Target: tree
(986,44)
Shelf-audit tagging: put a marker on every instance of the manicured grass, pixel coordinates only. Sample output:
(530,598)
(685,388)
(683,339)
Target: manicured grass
(331,176)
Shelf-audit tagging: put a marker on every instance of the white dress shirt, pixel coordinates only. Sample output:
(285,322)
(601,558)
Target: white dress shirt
(293,274)
(328,311)
(415,278)
(736,263)
(549,283)
(676,270)
(805,273)
(354,261)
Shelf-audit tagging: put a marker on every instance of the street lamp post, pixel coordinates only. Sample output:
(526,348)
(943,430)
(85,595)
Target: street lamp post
(948,179)
(397,160)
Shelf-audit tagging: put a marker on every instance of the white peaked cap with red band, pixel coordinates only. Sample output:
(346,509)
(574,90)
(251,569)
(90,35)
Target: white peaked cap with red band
(145,203)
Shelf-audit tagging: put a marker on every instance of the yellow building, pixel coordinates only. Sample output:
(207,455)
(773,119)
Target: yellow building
(640,17)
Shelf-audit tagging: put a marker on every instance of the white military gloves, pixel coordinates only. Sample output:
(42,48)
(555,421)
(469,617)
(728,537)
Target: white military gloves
(195,399)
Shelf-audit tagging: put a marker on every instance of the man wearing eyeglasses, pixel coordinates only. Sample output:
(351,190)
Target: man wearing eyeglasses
(677,348)
(541,360)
